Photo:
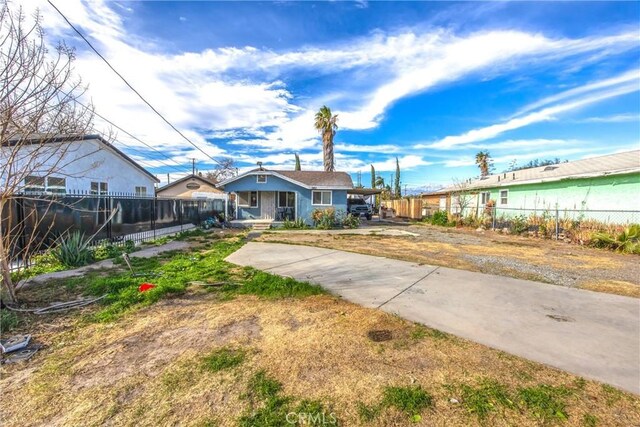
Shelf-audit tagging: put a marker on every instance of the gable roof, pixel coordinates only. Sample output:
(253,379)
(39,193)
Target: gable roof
(184,178)
(611,164)
(306,179)
(40,139)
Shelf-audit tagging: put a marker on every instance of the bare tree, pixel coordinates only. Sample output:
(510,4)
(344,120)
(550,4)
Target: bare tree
(40,116)
(226,169)
(461,197)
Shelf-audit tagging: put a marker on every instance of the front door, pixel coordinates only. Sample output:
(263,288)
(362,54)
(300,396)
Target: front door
(267,204)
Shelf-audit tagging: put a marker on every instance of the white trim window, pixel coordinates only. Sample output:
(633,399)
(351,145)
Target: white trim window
(504,197)
(247,199)
(485,197)
(321,197)
(286,199)
(41,185)
(99,188)
(141,191)
(261,179)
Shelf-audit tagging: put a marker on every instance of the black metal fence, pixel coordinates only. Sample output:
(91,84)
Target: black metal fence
(112,218)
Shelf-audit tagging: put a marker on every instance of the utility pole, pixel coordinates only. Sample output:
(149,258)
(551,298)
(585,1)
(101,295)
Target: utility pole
(168,180)
(405,190)
(193,166)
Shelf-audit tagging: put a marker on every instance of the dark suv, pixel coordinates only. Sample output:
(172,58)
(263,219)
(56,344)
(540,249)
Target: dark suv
(359,207)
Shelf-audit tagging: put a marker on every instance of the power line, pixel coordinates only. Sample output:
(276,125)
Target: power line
(128,84)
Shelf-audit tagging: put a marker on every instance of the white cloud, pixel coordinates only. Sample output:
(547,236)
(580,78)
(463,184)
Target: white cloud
(617,118)
(239,92)
(545,114)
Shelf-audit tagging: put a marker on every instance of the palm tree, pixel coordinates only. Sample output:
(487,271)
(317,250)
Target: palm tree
(483,160)
(326,125)
(298,163)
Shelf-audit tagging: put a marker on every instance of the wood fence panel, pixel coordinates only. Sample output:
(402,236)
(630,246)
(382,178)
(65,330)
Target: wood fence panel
(411,208)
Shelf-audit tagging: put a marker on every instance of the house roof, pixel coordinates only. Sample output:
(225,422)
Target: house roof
(184,178)
(306,179)
(612,164)
(48,139)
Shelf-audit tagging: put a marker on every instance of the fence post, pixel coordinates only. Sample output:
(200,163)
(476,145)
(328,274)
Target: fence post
(153,217)
(495,215)
(557,224)
(180,213)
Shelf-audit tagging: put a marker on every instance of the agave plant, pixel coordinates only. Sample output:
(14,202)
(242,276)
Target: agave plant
(627,241)
(73,250)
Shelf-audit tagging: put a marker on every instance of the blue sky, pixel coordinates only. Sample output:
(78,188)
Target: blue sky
(429,82)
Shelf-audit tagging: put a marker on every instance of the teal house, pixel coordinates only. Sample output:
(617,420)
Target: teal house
(268,196)
(605,188)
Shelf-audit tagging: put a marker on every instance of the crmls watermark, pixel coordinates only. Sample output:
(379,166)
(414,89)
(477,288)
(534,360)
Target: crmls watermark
(316,418)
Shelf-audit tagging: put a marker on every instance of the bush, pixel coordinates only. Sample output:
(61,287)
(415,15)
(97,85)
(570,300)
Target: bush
(351,221)
(73,250)
(519,224)
(106,252)
(8,320)
(440,218)
(324,218)
(627,241)
(298,224)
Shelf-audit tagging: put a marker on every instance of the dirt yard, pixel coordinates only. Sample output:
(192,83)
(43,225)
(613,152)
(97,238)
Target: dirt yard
(204,357)
(488,252)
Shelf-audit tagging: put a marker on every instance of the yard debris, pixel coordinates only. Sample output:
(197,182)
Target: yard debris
(454,401)
(14,343)
(199,283)
(59,306)
(21,355)
(145,287)
(127,261)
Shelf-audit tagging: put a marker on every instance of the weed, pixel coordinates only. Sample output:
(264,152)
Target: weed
(440,218)
(263,387)
(8,320)
(272,286)
(410,400)
(579,383)
(224,358)
(589,420)
(46,262)
(298,224)
(419,333)
(485,398)
(545,402)
(73,250)
(612,394)
(368,413)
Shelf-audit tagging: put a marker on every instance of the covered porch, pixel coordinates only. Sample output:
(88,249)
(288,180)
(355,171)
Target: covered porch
(265,206)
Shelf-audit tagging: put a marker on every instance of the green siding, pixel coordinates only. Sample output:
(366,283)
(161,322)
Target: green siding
(608,193)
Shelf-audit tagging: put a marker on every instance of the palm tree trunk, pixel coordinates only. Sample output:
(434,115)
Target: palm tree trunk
(327,149)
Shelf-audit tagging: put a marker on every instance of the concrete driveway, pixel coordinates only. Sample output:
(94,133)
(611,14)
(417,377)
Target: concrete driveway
(591,334)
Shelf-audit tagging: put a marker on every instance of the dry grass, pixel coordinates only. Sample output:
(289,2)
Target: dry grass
(147,368)
(614,287)
(614,273)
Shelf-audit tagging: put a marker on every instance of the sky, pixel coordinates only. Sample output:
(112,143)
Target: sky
(428,83)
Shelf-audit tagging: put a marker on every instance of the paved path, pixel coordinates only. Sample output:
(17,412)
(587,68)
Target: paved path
(591,334)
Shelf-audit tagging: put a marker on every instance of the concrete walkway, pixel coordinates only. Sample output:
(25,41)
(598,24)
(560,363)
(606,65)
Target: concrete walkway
(591,334)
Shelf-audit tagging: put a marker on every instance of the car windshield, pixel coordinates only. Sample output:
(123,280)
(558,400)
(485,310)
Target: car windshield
(356,202)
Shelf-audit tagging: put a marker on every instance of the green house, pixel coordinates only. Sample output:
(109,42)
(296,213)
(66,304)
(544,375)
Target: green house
(604,188)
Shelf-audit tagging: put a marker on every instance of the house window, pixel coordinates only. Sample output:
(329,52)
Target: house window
(248,199)
(56,185)
(34,184)
(99,188)
(322,198)
(261,179)
(141,191)
(286,199)
(485,197)
(504,195)
(42,185)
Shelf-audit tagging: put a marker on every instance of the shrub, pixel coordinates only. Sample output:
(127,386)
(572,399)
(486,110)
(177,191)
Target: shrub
(73,250)
(519,224)
(351,221)
(440,218)
(8,320)
(298,224)
(324,218)
(106,252)
(43,263)
(627,241)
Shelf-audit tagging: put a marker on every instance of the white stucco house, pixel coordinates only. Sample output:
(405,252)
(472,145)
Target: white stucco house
(86,164)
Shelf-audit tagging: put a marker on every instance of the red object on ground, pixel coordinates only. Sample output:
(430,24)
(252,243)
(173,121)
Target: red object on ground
(146,286)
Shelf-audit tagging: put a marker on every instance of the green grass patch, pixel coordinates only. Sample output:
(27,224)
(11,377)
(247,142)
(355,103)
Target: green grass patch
(271,409)
(547,403)
(485,397)
(612,394)
(589,420)
(410,400)
(271,286)
(368,413)
(224,358)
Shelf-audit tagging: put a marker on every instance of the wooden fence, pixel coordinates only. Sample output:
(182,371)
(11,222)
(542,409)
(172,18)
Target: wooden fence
(407,208)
